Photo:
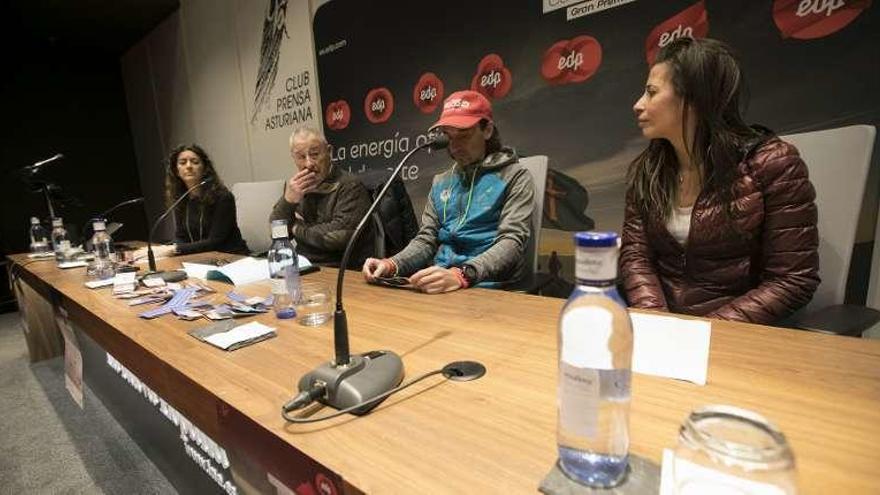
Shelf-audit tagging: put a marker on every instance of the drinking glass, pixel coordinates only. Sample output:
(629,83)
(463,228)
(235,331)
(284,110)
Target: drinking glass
(728,450)
(315,304)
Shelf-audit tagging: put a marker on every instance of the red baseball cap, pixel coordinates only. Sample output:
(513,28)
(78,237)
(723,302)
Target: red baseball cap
(464,109)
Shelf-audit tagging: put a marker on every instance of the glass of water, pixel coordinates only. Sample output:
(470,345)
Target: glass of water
(729,450)
(315,304)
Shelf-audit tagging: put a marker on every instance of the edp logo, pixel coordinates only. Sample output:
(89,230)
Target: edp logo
(572,61)
(827,7)
(668,37)
(428,93)
(378,105)
(491,79)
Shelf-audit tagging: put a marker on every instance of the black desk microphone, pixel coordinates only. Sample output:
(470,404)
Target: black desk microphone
(351,380)
(177,275)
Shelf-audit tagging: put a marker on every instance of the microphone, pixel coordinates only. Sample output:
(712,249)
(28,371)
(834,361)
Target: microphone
(107,212)
(176,275)
(37,165)
(348,380)
(120,205)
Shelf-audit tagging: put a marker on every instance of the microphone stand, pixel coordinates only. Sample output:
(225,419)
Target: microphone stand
(350,380)
(104,215)
(45,188)
(151,258)
(30,170)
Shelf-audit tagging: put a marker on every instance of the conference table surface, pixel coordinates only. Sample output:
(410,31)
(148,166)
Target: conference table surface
(498,434)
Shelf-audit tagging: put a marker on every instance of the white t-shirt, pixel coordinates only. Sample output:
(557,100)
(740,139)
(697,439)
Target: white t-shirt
(679,223)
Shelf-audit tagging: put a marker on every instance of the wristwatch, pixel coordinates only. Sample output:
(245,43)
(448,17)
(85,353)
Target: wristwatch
(470,274)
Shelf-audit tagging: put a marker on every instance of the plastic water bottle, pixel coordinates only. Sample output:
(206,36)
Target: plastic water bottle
(102,266)
(60,241)
(39,237)
(283,271)
(595,356)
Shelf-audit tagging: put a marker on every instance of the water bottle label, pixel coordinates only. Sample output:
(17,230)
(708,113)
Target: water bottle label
(596,263)
(279,286)
(279,231)
(579,400)
(586,334)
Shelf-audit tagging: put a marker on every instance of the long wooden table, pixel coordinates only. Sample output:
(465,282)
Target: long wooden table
(493,435)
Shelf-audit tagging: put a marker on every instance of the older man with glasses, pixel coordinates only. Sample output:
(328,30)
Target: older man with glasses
(476,222)
(321,204)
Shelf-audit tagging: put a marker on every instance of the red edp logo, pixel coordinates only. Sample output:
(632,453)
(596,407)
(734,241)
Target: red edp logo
(379,105)
(692,22)
(571,61)
(811,19)
(325,486)
(492,79)
(428,92)
(338,115)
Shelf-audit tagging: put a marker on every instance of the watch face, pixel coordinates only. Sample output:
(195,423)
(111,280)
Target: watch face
(469,272)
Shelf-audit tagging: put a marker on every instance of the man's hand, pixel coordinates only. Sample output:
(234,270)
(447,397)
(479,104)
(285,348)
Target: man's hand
(435,280)
(305,181)
(375,268)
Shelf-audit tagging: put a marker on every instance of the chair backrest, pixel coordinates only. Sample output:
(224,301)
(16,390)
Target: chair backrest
(253,204)
(873,299)
(537,166)
(838,161)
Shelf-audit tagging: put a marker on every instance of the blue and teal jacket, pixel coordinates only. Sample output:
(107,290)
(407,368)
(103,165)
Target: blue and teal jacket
(479,215)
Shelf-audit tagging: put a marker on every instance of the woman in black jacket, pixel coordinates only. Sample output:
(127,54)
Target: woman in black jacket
(205,220)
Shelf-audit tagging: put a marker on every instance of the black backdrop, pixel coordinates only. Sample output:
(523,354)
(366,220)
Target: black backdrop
(795,84)
(587,128)
(63,96)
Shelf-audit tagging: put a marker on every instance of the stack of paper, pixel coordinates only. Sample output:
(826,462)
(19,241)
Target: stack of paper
(124,282)
(229,337)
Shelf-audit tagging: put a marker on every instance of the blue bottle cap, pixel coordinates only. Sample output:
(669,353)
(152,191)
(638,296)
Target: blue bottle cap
(596,239)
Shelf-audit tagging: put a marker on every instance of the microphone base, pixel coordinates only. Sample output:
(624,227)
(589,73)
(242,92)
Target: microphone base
(364,377)
(169,276)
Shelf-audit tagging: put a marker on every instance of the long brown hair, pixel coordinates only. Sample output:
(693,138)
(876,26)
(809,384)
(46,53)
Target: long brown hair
(706,75)
(174,185)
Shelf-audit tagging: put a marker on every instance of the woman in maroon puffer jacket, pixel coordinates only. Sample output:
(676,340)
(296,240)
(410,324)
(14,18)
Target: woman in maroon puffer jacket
(720,219)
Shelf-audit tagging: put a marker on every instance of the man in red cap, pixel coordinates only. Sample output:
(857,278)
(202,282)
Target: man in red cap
(477,219)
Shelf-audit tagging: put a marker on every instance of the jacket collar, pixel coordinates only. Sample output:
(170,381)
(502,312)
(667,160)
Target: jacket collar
(762,135)
(494,161)
(330,183)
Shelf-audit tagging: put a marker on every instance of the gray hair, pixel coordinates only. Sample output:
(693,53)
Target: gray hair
(306,131)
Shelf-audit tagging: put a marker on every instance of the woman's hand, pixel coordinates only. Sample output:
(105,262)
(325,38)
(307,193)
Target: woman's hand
(159,251)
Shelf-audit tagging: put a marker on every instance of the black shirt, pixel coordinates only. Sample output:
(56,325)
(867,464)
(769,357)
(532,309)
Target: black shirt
(208,226)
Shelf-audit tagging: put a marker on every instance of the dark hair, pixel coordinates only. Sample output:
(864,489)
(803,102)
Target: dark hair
(174,185)
(493,144)
(706,75)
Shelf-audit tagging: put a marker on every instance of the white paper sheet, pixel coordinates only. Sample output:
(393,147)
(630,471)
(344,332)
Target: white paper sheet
(694,479)
(240,333)
(246,270)
(243,271)
(196,270)
(95,284)
(72,264)
(671,347)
